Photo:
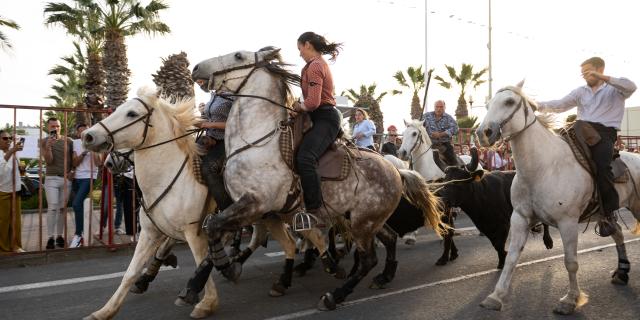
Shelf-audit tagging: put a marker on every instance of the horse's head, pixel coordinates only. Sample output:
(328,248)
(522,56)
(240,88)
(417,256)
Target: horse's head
(120,161)
(130,123)
(228,72)
(414,135)
(507,115)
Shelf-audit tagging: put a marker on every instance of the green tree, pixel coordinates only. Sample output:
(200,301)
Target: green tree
(83,22)
(366,99)
(464,79)
(4,40)
(416,82)
(70,83)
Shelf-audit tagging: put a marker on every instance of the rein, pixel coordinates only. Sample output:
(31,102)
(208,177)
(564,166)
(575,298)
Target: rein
(420,142)
(522,105)
(145,118)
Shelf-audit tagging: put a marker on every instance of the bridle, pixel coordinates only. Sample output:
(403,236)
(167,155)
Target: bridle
(146,118)
(522,105)
(418,143)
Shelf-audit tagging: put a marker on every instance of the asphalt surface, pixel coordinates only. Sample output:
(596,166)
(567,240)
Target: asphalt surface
(420,290)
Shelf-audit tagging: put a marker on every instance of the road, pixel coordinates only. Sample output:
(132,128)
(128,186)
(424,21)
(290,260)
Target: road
(421,290)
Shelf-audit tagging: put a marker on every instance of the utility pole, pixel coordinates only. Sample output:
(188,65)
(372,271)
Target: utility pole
(426,64)
(490,67)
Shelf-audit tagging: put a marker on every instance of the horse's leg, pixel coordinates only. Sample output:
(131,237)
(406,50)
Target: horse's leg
(279,231)
(575,297)
(235,244)
(448,240)
(546,237)
(519,234)
(454,250)
(498,240)
(162,256)
(258,237)
(199,249)
(368,260)
(329,264)
(621,275)
(147,244)
(389,238)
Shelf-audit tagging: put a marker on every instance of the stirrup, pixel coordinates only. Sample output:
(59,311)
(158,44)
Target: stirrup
(303,221)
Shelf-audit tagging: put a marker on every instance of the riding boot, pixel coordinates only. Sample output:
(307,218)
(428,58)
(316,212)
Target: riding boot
(607,225)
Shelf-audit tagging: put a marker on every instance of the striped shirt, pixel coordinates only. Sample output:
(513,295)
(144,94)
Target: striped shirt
(317,85)
(446,123)
(605,106)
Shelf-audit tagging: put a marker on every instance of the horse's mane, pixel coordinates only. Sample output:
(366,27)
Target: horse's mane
(181,114)
(548,120)
(423,131)
(286,77)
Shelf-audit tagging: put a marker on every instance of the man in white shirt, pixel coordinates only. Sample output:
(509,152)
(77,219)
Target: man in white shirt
(86,170)
(9,182)
(601,104)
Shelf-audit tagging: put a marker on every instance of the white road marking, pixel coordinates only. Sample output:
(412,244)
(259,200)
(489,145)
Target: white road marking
(274,254)
(309,312)
(45,284)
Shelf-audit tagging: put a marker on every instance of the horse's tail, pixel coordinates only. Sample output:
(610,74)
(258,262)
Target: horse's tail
(416,190)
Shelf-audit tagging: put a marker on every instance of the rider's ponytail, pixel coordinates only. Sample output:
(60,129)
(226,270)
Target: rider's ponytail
(321,44)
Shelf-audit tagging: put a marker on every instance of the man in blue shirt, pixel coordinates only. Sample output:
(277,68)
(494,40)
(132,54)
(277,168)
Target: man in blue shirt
(441,127)
(601,104)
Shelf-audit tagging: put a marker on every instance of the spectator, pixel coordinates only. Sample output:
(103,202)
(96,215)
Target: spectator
(9,183)
(465,150)
(457,150)
(86,172)
(441,127)
(391,146)
(57,184)
(363,130)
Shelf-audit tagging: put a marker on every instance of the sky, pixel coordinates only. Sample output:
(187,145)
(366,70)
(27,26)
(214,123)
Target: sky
(541,41)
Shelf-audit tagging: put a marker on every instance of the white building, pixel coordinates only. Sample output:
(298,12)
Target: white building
(631,122)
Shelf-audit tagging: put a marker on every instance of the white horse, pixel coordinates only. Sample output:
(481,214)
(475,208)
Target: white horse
(549,187)
(167,211)
(417,149)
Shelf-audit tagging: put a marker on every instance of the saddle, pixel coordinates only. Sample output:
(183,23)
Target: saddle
(334,165)
(580,135)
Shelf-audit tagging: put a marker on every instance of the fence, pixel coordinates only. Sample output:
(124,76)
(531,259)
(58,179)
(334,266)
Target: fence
(29,234)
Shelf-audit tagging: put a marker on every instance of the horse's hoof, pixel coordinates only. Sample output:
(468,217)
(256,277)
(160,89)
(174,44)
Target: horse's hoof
(199,313)
(327,302)
(233,271)
(565,308)
(139,287)
(340,273)
(171,260)
(277,290)
(491,304)
(620,278)
(453,256)
(379,282)
(441,262)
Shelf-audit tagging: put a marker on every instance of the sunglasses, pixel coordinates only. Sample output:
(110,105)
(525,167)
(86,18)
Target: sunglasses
(7,138)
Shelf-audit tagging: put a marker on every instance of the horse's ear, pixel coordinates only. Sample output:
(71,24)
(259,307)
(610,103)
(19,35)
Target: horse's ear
(405,123)
(520,84)
(270,53)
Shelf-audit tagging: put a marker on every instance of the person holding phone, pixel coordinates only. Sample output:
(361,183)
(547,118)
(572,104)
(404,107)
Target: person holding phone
(57,185)
(86,170)
(9,182)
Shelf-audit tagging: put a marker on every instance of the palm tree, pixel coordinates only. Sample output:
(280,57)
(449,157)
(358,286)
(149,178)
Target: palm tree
(70,83)
(367,100)
(4,40)
(464,79)
(417,83)
(83,22)
(120,19)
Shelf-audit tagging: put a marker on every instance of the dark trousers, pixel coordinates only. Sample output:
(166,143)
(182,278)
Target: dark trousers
(602,154)
(326,125)
(130,205)
(447,155)
(212,165)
